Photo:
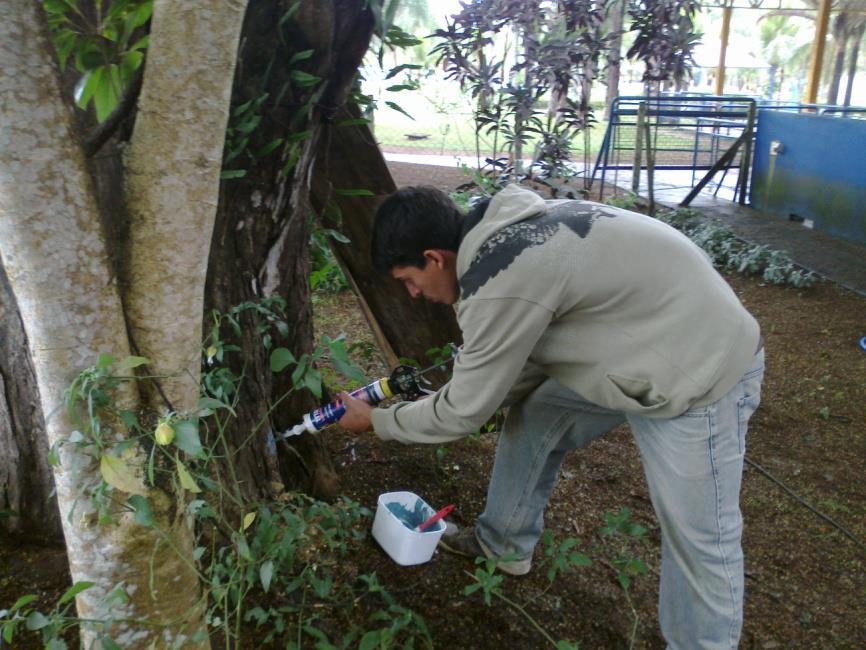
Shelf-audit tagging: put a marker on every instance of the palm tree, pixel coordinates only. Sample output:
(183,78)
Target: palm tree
(849,25)
(785,47)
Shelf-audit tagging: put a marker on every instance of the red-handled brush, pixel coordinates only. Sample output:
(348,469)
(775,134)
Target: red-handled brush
(442,513)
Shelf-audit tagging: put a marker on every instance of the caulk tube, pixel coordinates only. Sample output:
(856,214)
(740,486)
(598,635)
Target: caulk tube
(372,393)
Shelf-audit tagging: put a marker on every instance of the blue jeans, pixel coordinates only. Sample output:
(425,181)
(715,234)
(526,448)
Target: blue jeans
(693,465)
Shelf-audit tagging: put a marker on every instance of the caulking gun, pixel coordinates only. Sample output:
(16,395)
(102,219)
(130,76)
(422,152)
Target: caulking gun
(402,381)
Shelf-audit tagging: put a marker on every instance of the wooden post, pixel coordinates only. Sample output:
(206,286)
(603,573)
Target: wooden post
(817,59)
(723,49)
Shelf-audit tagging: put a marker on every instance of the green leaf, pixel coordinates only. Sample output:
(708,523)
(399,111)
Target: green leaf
(186,480)
(370,641)
(54,455)
(269,147)
(24,600)
(143,513)
(393,72)
(36,621)
(141,44)
(104,360)
(249,518)
(400,87)
(232,173)
(304,79)
(74,590)
(106,90)
(399,109)
(129,419)
(301,56)
(280,358)
(243,547)
(117,474)
(187,437)
(206,405)
(294,155)
(354,192)
(337,235)
(132,362)
(313,381)
(129,63)
(266,572)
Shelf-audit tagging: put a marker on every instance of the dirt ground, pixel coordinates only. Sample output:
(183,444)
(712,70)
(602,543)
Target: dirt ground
(806,577)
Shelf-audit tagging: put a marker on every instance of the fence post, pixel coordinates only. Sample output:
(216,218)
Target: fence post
(638,144)
(746,162)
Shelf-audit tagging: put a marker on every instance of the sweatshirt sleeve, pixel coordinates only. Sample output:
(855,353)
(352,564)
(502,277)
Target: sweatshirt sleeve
(499,335)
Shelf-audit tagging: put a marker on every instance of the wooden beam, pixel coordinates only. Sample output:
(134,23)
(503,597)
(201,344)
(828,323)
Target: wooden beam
(727,12)
(822,20)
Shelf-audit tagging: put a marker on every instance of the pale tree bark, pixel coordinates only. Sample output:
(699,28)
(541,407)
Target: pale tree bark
(172,180)
(614,56)
(55,256)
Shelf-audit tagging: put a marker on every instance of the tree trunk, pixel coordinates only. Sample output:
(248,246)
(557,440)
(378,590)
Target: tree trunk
(54,251)
(350,159)
(614,57)
(261,240)
(26,481)
(840,38)
(172,181)
(856,38)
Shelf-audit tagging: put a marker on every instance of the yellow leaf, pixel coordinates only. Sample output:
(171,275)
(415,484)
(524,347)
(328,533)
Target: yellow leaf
(117,474)
(187,482)
(249,518)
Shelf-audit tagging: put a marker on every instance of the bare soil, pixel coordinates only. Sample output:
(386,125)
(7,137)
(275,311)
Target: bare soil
(806,576)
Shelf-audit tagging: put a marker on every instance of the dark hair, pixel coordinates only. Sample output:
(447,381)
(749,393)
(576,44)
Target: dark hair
(410,221)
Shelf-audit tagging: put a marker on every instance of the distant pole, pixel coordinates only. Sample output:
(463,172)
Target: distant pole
(727,11)
(817,60)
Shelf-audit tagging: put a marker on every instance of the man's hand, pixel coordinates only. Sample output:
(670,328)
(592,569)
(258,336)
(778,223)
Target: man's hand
(357,416)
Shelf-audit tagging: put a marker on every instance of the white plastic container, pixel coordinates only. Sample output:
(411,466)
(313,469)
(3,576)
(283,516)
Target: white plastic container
(405,546)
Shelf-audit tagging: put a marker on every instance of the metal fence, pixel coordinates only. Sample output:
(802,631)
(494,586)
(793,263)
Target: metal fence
(690,133)
(685,132)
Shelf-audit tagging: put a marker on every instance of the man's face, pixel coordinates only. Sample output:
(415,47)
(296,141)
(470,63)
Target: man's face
(437,281)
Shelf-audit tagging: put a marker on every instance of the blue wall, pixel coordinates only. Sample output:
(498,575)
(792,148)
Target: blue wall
(820,175)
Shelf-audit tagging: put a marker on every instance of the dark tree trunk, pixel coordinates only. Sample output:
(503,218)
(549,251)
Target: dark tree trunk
(350,159)
(856,38)
(614,55)
(26,482)
(261,239)
(840,38)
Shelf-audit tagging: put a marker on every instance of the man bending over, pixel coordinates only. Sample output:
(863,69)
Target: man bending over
(579,317)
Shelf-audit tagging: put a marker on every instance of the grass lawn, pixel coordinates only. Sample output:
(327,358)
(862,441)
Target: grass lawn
(441,131)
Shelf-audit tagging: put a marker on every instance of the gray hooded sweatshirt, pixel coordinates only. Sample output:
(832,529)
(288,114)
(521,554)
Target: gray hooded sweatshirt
(619,307)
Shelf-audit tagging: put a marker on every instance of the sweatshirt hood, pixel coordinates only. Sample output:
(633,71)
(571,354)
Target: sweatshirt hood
(510,205)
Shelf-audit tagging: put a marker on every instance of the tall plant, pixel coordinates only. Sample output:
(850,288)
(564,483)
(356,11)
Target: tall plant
(665,39)
(529,65)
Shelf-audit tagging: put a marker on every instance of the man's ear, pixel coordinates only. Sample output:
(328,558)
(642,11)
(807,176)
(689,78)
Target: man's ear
(435,256)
